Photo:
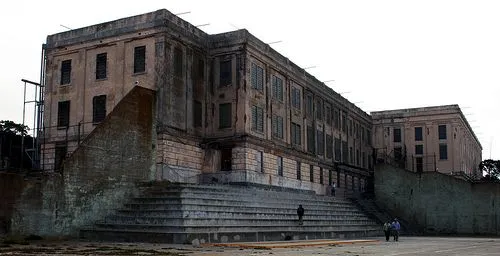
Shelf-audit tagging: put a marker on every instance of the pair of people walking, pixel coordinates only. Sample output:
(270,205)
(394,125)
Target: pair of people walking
(392,227)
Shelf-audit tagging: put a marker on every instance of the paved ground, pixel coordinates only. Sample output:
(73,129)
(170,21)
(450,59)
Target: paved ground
(407,246)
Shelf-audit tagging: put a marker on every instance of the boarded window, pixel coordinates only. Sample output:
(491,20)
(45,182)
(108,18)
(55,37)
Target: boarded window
(101,66)
(178,62)
(443,152)
(278,127)
(296,134)
(397,135)
(257,77)
(321,142)
(257,119)
(442,132)
(277,88)
(99,108)
(225,115)
(139,59)
(337,149)
(65,72)
(310,140)
(321,175)
(311,173)
(418,134)
(225,73)
(197,114)
(279,163)
(63,113)
(329,146)
(419,149)
(299,174)
(296,98)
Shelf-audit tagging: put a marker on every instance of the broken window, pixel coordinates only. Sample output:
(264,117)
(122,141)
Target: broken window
(65,72)
(99,108)
(63,113)
(277,88)
(225,73)
(257,119)
(139,59)
(101,66)
(225,115)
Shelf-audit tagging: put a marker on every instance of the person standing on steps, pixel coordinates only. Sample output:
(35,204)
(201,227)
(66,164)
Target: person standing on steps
(395,228)
(387,230)
(333,188)
(300,213)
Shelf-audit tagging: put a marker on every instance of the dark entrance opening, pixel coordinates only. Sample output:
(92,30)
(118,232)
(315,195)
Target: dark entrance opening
(420,164)
(226,159)
(60,154)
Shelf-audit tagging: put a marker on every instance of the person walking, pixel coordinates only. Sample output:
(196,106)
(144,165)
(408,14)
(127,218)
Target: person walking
(395,226)
(333,188)
(387,230)
(300,213)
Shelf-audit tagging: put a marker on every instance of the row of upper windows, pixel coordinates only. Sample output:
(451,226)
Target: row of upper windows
(101,67)
(98,111)
(419,133)
(443,150)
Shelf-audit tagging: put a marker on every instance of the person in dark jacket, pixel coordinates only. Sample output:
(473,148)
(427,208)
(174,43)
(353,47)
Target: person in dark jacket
(300,213)
(387,230)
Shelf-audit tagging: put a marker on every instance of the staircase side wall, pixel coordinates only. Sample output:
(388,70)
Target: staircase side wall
(440,203)
(97,177)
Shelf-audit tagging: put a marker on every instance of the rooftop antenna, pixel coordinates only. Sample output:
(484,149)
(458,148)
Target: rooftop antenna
(275,42)
(68,28)
(182,13)
(327,81)
(201,25)
(309,67)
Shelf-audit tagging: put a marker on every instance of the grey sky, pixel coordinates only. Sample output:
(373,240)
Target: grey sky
(384,54)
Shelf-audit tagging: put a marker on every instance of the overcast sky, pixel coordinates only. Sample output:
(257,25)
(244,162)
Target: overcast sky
(382,54)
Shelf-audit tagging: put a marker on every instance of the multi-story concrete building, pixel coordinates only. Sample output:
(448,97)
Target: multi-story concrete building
(228,107)
(428,139)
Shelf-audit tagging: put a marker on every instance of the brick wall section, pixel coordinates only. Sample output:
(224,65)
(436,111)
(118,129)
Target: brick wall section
(98,176)
(439,203)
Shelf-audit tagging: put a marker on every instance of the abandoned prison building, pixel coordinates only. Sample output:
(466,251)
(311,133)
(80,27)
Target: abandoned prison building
(141,109)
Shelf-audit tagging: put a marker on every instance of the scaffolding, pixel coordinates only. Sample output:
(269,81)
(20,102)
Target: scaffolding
(38,101)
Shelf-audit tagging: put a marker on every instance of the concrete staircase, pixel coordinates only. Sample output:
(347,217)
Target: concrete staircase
(187,213)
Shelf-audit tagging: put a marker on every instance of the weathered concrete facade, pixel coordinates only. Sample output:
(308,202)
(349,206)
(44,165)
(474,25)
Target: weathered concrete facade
(429,139)
(226,104)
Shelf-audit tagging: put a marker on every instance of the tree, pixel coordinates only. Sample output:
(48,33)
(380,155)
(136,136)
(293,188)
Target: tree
(9,127)
(491,168)
(11,137)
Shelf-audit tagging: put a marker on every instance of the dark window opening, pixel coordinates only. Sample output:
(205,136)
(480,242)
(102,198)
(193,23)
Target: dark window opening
(329,146)
(442,132)
(351,155)
(296,98)
(310,140)
(337,149)
(321,142)
(330,177)
(398,153)
(280,165)
(178,62)
(419,162)
(260,161)
(60,155)
(345,152)
(299,174)
(443,152)
(197,114)
(99,108)
(357,157)
(225,73)
(63,113)
(101,66)
(397,135)
(139,59)
(321,175)
(309,105)
(65,72)
(328,115)
(418,134)
(419,149)
(225,115)
(226,158)
(311,173)
(319,110)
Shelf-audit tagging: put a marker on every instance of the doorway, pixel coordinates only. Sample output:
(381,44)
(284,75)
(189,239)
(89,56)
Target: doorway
(226,156)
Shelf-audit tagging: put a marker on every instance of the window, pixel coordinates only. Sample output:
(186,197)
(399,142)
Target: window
(63,113)
(299,174)
(357,157)
(257,77)
(309,105)
(418,134)
(345,152)
(257,119)
(178,62)
(319,110)
(351,155)
(336,118)
(442,132)
(443,152)
(419,149)
(279,162)
(225,115)
(369,137)
(363,159)
(328,113)
(362,134)
(329,146)
(337,149)
(310,140)
(277,88)
(330,177)
(101,66)
(277,126)
(197,114)
(225,74)
(259,159)
(311,173)
(344,123)
(65,72)
(99,108)
(296,134)
(397,135)
(321,142)
(296,98)
(321,175)
(139,59)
